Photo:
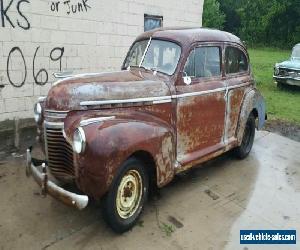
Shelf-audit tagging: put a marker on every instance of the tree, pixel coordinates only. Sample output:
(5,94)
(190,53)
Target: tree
(213,17)
(263,22)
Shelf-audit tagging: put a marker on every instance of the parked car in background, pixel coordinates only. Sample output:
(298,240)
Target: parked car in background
(183,97)
(288,72)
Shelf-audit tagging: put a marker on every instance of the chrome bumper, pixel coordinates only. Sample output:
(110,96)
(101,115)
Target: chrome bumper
(288,80)
(49,187)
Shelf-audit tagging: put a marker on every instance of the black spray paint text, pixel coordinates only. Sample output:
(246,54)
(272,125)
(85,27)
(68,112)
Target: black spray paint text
(70,8)
(6,10)
(40,76)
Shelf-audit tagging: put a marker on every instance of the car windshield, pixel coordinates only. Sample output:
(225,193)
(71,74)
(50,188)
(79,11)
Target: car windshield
(296,52)
(158,55)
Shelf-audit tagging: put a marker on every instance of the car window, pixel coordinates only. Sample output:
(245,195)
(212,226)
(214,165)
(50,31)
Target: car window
(204,62)
(236,60)
(153,54)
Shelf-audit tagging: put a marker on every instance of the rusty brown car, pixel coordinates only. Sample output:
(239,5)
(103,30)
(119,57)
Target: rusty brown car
(183,97)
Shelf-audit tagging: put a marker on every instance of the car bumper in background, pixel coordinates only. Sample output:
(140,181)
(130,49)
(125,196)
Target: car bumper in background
(288,80)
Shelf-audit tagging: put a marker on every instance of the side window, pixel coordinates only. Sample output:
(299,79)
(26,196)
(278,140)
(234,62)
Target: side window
(236,60)
(204,62)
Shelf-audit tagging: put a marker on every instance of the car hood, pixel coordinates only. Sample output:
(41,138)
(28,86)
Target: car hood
(67,94)
(293,64)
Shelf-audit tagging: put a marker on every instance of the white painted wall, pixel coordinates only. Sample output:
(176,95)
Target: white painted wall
(94,39)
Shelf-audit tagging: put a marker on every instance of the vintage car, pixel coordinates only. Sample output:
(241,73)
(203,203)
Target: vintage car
(183,97)
(288,72)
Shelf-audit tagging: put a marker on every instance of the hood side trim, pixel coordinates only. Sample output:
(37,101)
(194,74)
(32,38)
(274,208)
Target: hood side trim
(134,100)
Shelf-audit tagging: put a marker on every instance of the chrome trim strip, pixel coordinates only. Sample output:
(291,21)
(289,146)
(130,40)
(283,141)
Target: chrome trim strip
(287,78)
(134,100)
(57,111)
(160,99)
(42,98)
(55,114)
(198,93)
(57,125)
(145,52)
(95,120)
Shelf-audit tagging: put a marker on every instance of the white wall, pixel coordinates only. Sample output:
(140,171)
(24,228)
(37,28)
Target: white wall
(94,39)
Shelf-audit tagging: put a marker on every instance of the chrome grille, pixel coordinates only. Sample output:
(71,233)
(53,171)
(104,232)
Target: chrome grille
(288,72)
(59,152)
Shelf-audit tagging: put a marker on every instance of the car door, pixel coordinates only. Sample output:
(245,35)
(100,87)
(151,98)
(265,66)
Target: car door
(201,104)
(238,78)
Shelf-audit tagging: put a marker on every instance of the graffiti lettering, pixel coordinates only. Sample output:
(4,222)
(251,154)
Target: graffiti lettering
(5,18)
(69,7)
(59,57)
(17,85)
(37,75)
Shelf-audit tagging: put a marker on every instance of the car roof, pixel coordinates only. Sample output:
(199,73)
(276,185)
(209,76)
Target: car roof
(189,35)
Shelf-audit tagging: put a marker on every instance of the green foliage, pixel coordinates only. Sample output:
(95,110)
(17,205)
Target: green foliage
(167,229)
(213,17)
(262,22)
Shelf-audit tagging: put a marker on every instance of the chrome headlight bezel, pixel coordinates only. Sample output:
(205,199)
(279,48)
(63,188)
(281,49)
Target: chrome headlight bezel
(79,141)
(38,112)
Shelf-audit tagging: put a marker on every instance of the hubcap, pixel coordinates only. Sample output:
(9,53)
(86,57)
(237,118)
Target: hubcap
(129,194)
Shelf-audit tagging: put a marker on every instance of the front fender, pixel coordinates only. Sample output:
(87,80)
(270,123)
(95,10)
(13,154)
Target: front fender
(253,101)
(111,142)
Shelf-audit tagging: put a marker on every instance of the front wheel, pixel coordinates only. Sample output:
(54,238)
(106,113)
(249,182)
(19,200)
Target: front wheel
(248,138)
(124,202)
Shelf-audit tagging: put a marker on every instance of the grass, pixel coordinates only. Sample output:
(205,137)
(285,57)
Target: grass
(282,103)
(167,229)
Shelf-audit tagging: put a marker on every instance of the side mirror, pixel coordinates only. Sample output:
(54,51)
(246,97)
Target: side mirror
(186,79)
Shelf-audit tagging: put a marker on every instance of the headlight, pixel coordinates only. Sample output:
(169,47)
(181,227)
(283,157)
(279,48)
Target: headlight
(276,71)
(79,140)
(37,112)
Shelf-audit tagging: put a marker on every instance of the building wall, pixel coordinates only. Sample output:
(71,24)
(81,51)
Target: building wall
(40,37)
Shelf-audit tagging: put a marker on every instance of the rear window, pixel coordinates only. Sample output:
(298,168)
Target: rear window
(236,61)
(204,62)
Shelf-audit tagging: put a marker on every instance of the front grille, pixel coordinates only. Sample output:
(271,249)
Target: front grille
(59,154)
(288,72)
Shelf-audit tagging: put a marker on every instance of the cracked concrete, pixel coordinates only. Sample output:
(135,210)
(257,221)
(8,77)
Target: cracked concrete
(202,209)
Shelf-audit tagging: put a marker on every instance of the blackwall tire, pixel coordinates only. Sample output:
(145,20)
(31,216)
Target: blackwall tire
(248,138)
(127,196)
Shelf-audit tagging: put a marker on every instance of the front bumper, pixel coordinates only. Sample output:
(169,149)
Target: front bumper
(49,187)
(288,80)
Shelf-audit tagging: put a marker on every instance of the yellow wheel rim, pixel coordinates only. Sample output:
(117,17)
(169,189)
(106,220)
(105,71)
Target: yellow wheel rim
(129,194)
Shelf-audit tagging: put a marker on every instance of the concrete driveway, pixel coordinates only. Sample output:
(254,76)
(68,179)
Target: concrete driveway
(202,209)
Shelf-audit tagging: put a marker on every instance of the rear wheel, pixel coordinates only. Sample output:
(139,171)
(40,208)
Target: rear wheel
(248,138)
(125,201)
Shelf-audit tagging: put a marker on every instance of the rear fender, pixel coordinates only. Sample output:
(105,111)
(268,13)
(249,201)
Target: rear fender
(253,102)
